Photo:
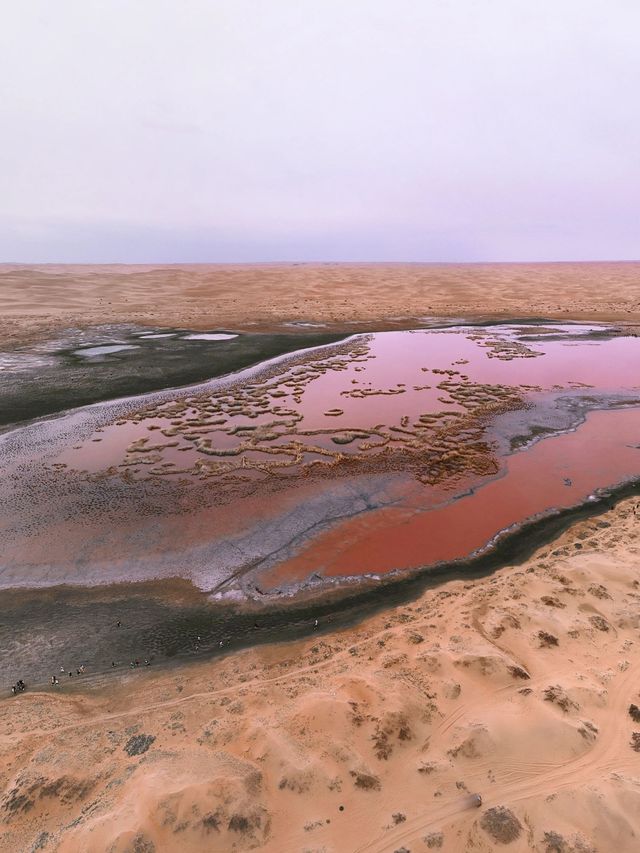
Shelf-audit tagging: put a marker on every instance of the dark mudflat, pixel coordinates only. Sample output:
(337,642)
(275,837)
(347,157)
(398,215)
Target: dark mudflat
(54,377)
(44,630)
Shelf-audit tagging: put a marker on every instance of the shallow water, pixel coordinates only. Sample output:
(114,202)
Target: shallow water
(561,471)
(108,349)
(390,451)
(209,336)
(372,400)
(157,336)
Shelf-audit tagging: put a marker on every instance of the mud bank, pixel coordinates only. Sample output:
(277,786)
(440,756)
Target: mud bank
(171,622)
(81,366)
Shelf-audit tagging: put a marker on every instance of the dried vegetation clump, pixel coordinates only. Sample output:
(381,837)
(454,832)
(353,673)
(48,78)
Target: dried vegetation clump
(138,744)
(554,842)
(634,713)
(557,696)
(365,781)
(547,640)
(501,824)
(254,432)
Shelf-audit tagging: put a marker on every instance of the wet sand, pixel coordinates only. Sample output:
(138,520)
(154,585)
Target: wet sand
(37,302)
(522,687)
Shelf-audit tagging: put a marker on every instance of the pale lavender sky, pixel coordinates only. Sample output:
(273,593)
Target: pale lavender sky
(263,130)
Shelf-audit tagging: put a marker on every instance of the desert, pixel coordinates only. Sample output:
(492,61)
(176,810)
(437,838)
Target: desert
(319,427)
(372,586)
(39,299)
(521,686)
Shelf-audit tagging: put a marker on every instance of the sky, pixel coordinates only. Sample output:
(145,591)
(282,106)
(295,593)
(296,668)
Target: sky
(319,130)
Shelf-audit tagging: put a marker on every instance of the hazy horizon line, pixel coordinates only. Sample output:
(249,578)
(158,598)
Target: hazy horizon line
(311,263)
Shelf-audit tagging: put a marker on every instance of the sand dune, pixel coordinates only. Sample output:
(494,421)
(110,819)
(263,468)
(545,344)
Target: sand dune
(36,301)
(518,686)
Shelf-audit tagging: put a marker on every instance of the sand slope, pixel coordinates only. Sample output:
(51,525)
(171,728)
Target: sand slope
(37,301)
(517,686)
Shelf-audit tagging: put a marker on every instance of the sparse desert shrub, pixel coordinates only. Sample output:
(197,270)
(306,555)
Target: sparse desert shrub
(552,601)
(211,822)
(253,782)
(485,664)
(404,730)
(634,713)
(142,844)
(547,640)
(65,789)
(381,745)
(41,841)
(507,621)
(599,591)
(451,689)
(18,800)
(580,845)
(357,718)
(365,781)
(556,694)
(518,672)
(137,744)
(588,730)
(394,724)
(244,824)
(599,622)
(300,783)
(473,744)
(556,843)
(501,824)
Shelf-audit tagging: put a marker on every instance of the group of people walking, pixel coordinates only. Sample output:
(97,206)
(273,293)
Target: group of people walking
(55,680)
(20,686)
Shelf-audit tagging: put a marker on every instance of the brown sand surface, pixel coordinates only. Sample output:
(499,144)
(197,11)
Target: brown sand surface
(519,687)
(37,301)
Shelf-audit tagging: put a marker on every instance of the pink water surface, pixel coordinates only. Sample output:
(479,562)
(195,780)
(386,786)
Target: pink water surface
(561,471)
(397,361)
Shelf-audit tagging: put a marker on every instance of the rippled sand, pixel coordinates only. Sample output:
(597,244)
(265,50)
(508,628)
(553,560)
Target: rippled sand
(36,300)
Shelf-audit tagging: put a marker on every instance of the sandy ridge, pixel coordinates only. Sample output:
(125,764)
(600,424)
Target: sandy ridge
(40,300)
(289,725)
